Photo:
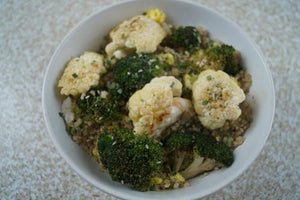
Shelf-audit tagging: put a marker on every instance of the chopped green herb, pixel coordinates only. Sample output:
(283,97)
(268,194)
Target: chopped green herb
(119,91)
(205,102)
(142,100)
(229,143)
(123,35)
(61,114)
(210,44)
(102,50)
(74,75)
(249,119)
(209,77)
(182,65)
(106,38)
(172,84)
(188,69)
(71,130)
(108,62)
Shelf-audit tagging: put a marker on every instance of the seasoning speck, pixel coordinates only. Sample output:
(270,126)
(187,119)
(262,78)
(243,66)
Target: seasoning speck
(74,75)
(120,91)
(205,102)
(61,114)
(108,62)
(172,84)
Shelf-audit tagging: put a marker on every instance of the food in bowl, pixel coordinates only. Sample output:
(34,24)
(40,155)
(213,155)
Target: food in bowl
(158,104)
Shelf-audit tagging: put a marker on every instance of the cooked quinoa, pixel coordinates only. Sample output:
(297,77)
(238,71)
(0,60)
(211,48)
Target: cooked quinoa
(174,96)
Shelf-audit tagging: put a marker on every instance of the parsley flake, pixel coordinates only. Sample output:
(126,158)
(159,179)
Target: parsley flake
(172,84)
(120,91)
(204,103)
(61,114)
(108,62)
(74,75)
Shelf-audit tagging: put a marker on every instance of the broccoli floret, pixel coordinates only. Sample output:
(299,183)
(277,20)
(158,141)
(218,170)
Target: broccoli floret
(225,56)
(181,143)
(132,72)
(181,140)
(93,107)
(130,159)
(185,143)
(209,147)
(187,37)
(198,166)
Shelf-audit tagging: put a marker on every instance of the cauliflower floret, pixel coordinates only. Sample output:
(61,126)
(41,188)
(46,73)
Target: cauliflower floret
(153,108)
(140,33)
(216,98)
(156,14)
(170,81)
(81,74)
(67,109)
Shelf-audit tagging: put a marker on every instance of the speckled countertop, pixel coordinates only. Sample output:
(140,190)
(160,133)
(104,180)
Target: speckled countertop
(30,166)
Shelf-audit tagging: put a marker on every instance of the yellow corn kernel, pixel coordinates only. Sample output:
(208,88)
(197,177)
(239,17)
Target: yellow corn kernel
(110,127)
(95,151)
(168,58)
(157,180)
(178,178)
(189,80)
(156,14)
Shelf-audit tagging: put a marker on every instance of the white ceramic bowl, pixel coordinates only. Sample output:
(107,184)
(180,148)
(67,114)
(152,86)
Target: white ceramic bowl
(88,35)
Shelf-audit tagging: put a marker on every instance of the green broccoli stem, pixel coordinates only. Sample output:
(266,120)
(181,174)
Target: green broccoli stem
(198,166)
(186,142)
(178,160)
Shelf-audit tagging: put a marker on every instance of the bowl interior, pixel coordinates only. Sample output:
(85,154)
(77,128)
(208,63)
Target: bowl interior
(89,34)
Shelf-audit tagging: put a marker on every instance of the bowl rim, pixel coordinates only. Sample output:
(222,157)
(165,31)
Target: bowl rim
(108,189)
